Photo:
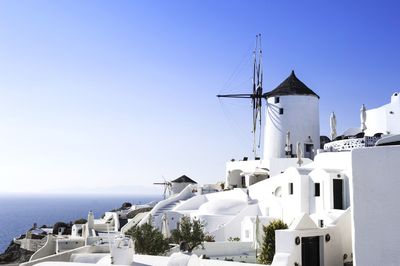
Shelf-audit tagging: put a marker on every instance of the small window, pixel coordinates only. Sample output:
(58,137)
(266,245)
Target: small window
(290,188)
(247,233)
(281,111)
(309,147)
(321,223)
(276,99)
(278,192)
(317,190)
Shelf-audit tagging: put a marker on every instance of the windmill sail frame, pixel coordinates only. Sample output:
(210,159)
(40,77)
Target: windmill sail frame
(256,96)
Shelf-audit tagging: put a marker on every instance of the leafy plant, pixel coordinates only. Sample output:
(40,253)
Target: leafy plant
(80,221)
(67,228)
(126,205)
(234,239)
(268,245)
(209,238)
(190,231)
(148,240)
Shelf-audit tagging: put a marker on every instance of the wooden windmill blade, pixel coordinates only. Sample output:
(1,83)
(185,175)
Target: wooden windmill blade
(167,187)
(256,96)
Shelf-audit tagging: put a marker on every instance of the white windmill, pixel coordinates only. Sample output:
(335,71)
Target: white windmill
(167,187)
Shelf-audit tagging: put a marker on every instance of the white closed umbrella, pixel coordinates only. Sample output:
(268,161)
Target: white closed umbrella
(299,154)
(363,117)
(288,148)
(165,227)
(256,232)
(257,237)
(333,126)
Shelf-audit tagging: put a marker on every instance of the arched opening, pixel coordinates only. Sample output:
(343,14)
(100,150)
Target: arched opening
(235,178)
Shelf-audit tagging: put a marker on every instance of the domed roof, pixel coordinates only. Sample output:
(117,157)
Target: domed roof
(291,86)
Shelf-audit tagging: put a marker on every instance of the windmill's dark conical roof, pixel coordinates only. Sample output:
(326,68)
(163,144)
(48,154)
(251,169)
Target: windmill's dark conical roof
(184,179)
(291,86)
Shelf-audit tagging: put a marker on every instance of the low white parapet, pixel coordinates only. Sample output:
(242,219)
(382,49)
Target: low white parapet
(350,144)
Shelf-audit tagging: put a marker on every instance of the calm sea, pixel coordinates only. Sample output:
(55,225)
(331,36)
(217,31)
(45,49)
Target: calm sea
(17,214)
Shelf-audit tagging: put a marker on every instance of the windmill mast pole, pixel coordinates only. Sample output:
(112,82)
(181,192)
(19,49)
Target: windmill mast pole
(256,95)
(254,100)
(261,86)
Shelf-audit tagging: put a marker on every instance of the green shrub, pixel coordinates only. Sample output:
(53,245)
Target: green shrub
(67,227)
(148,240)
(209,238)
(126,205)
(80,221)
(191,232)
(268,245)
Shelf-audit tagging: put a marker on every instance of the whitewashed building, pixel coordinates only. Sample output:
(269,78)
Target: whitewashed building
(292,109)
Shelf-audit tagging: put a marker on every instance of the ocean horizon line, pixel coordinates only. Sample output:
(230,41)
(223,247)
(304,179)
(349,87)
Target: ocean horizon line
(76,194)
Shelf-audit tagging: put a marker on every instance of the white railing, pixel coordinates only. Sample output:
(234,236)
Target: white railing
(349,144)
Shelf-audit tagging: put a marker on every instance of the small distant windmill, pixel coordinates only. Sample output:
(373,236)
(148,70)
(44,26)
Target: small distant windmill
(167,187)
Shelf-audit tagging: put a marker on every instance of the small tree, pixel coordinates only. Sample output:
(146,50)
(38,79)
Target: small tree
(126,205)
(80,221)
(67,228)
(209,238)
(192,232)
(268,245)
(148,240)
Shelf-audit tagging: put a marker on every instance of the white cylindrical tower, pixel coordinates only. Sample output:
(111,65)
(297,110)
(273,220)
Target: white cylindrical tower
(291,107)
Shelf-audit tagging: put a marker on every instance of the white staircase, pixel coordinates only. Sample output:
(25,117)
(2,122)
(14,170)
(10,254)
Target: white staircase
(167,205)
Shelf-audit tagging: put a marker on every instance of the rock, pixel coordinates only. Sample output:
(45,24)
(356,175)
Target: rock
(15,254)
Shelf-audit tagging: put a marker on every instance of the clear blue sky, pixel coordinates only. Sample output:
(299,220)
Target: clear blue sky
(110,95)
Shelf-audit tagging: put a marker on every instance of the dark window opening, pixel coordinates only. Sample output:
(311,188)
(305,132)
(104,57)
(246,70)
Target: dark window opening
(321,223)
(309,147)
(317,190)
(281,111)
(290,188)
(338,194)
(276,99)
(243,182)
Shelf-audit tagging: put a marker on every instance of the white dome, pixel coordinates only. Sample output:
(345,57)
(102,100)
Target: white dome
(222,207)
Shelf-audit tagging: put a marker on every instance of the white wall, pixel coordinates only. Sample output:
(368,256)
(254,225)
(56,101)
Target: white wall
(331,160)
(344,231)
(248,227)
(236,168)
(65,256)
(178,187)
(375,183)
(279,165)
(300,117)
(68,244)
(384,119)
(32,244)
(282,205)
(232,228)
(330,251)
